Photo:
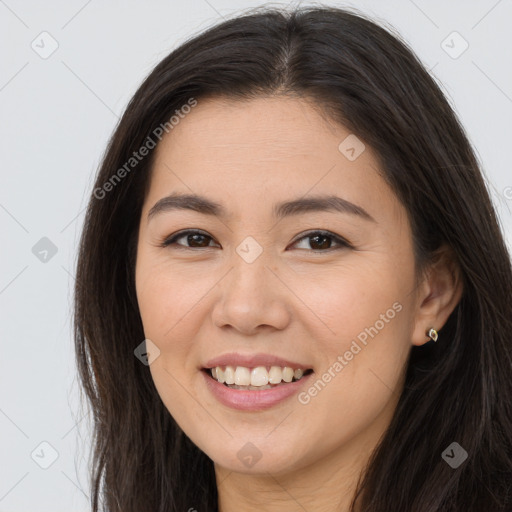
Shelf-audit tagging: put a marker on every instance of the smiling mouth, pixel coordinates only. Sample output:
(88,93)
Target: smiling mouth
(256,379)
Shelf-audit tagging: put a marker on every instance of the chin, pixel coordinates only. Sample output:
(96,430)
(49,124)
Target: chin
(255,458)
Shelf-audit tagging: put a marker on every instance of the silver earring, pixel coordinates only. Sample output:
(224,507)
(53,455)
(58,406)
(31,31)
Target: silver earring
(432,334)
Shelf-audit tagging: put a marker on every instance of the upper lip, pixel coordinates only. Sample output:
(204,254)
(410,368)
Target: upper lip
(252,361)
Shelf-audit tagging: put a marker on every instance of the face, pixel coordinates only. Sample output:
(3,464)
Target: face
(322,287)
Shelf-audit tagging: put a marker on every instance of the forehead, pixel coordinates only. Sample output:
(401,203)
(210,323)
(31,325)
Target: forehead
(277,127)
(248,152)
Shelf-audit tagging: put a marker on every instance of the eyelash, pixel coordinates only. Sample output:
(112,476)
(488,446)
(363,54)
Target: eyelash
(343,244)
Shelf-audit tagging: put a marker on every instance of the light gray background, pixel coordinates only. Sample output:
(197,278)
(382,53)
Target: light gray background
(57,114)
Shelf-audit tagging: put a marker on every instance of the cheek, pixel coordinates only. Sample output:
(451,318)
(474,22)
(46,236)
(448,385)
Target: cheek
(157,302)
(343,300)
(360,382)
(167,298)
(166,304)
(366,348)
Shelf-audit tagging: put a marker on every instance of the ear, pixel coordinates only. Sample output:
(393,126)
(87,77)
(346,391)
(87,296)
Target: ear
(438,294)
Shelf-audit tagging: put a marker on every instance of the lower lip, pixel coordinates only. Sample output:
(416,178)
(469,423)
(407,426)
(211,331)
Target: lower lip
(253,400)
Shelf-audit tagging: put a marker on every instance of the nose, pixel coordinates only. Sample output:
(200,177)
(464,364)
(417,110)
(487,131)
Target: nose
(251,297)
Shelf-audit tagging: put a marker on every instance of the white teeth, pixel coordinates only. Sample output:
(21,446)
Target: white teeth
(229,375)
(287,374)
(255,378)
(242,376)
(275,375)
(259,376)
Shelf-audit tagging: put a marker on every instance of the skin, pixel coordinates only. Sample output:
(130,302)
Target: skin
(301,305)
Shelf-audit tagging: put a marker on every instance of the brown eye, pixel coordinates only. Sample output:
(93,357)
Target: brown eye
(194,239)
(321,241)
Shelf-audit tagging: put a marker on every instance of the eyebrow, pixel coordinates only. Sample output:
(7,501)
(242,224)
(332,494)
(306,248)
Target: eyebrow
(201,204)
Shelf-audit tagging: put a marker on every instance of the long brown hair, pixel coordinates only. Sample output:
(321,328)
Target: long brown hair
(458,390)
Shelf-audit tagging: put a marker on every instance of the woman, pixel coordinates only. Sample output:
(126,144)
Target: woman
(293,292)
